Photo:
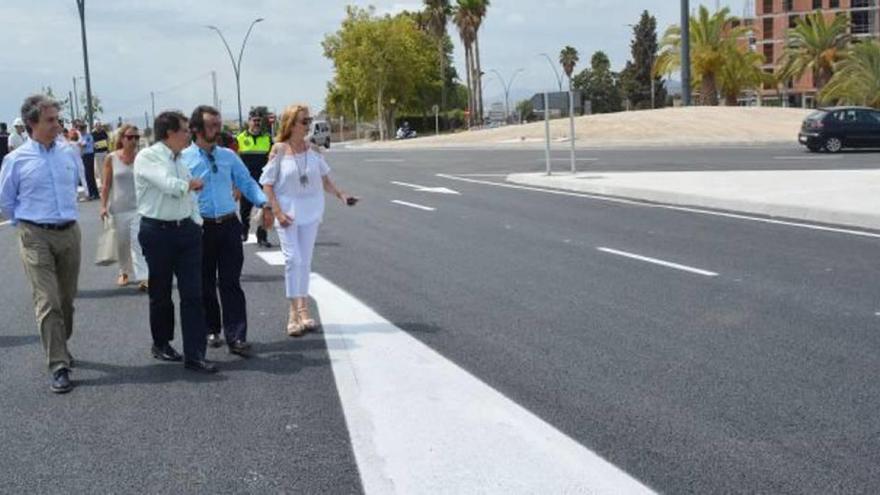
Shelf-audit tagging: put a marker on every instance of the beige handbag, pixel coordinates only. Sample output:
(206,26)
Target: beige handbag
(106,253)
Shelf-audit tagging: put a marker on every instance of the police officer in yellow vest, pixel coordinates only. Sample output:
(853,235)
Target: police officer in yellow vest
(254,144)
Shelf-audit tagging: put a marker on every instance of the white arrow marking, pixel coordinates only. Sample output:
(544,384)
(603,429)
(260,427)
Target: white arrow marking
(418,188)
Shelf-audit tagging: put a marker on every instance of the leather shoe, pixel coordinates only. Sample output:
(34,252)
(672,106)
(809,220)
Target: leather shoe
(264,244)
(60,383)
(215,340)
(240,348)
(166,353)
(199,365)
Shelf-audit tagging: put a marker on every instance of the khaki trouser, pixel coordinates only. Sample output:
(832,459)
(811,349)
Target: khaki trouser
(51,262)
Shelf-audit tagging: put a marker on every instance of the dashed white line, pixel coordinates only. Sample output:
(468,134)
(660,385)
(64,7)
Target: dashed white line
(413,205)
(656,261)
(419,423)
(634,202)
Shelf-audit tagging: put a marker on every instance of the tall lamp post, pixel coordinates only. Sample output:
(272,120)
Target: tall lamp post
(81,6)
(236,66)
(506,86)
(555,72)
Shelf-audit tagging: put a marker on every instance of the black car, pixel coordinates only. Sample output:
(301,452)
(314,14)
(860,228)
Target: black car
(832,129)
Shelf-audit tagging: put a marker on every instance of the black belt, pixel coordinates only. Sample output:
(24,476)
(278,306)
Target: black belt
(168,224)
(51,226)
(220,219)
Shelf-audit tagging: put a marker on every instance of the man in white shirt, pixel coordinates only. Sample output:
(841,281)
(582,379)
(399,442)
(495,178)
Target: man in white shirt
(19,136)
(171,238)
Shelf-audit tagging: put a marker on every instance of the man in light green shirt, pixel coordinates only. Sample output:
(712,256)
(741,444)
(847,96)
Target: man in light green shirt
(171,240)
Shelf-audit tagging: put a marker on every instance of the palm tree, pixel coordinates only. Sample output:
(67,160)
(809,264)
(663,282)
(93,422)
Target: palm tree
(568,58)
(463,20)
(741,71)
(856,78)
(814,45)
(468,16)
(438,12)
(712,41)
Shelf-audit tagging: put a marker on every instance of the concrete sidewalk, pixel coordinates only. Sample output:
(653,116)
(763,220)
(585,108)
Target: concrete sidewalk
(840,197)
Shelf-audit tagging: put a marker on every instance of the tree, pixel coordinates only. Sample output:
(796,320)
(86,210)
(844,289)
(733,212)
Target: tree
(600,85)
(644,54)
(525,110)
(381,62)
(468,17)
(814,45)
(438,12)
(568,58)
(713,39)
(856,79)
(97,108)
(741,71)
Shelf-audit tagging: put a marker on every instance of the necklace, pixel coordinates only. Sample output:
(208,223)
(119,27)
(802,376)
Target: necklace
(304,171)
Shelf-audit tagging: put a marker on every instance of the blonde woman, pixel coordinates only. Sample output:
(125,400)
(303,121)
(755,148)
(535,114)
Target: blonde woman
(294,181)
(119,202)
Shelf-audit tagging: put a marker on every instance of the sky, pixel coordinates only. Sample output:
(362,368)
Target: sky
(163,46)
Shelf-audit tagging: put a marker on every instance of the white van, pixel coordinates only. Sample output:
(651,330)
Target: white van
(320,133)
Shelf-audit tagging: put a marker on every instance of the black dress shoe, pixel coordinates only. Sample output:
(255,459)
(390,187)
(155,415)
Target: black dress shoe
(215,340)
(240,348)
(166,353)
(199,365)
(60,383)
(264,244)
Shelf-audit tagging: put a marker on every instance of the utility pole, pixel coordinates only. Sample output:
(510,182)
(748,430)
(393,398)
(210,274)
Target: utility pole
(81,5)
(685,53)
(153,104)
(70,97)
(214,86)
(75,101)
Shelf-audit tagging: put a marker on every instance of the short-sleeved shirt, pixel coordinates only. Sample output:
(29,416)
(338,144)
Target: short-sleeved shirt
(304,202)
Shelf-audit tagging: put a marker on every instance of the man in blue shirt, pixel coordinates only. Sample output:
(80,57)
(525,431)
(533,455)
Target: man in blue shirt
(222,253)
(38,194)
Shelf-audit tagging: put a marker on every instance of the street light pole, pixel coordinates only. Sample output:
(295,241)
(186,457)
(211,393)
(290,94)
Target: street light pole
(81,6)
(506,86)
(556,72)
(75,100)
(236,66)
(685,53)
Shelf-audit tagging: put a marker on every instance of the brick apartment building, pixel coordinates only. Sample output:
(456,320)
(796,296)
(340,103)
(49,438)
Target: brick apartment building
(774,17)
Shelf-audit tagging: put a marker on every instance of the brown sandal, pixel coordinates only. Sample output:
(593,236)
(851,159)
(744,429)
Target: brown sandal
(307,321)
(294,327)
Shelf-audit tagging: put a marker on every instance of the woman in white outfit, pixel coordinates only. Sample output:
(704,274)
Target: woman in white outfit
(119,201)
(294,181)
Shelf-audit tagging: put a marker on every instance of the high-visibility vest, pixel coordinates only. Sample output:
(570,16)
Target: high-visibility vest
(247,143)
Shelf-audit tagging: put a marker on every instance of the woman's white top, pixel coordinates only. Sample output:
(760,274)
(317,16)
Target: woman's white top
(122,193)
(301,199)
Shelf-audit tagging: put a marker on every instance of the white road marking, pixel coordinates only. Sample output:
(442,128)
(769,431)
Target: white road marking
(421,424)
(486,175)
(542,160)
(808,157)
(252,239)
(383,160)
(274,258)
(413,205)
(658,262)
(418,188)
(633,202)
(7,222)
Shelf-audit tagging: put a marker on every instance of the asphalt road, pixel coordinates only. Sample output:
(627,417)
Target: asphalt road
(752,374)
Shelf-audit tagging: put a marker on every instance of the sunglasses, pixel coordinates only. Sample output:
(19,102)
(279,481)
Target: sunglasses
(132,137)
(306,121)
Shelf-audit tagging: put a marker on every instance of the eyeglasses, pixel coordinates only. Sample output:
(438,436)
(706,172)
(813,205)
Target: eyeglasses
(306,121)
(213,162)
(132,137)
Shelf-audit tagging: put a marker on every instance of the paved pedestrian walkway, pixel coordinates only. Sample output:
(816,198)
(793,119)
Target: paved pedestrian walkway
(840,197)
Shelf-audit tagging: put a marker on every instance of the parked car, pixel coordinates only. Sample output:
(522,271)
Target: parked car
(835,128)
(320,133)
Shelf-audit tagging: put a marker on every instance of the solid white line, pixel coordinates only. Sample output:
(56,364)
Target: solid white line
(802,157)
(658,262)
(7,222)
(487,175)
(407,184)
(633,202)
(413,205)
(274,258)
(420,424)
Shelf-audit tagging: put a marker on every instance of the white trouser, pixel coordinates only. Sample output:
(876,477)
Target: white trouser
(128,249)
(297,245)
(99,167)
